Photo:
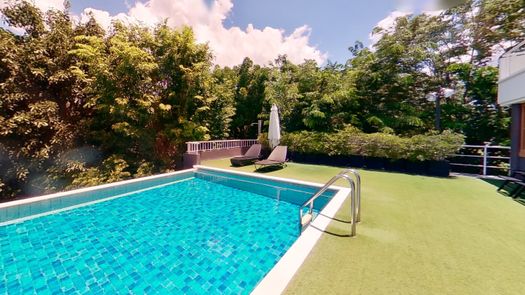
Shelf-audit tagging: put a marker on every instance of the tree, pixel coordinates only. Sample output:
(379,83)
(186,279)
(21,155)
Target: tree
(39,105)
(249,98)
(80,106)
(222,103)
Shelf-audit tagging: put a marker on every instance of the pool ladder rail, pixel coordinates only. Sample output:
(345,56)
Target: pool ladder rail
(305,218)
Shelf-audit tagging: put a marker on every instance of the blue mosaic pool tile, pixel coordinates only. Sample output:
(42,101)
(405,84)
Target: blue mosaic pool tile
(191,237)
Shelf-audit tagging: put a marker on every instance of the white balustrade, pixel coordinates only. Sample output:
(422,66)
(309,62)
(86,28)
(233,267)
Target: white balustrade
(194,147)
(484,157)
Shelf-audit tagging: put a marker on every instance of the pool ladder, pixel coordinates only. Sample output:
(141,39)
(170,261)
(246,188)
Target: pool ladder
(305,218)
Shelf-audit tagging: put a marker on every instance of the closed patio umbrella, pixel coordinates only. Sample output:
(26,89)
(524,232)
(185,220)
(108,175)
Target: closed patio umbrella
(274,130)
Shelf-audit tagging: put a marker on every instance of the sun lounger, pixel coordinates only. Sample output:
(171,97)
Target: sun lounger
(517,178)
(276,158)
(251,155)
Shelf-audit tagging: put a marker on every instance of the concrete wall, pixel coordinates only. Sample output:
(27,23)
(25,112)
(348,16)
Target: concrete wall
(196,159)
(516,162)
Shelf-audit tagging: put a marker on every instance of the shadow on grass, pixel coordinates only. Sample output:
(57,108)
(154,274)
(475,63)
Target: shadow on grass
(520,201)
(339,220)
(337,232)
(331,232)
(267,169)
(506,190)
(494,182)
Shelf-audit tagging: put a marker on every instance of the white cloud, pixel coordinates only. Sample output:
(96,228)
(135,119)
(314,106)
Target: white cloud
(433,12)
(229,45)
(103,17)
(43,5)
(387,24)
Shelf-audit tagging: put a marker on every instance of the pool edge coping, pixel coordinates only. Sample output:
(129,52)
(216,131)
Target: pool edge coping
(282,273)
(278,278)
(276,178)
(30,200)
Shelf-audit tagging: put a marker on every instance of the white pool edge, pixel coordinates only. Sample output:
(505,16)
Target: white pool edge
(50,212)
(281,274)
(280,179)
(88,189)
(283,271)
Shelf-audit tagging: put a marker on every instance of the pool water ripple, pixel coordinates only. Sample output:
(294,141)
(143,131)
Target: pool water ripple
(190,237)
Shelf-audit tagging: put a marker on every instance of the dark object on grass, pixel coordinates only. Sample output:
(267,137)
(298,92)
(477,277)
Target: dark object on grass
(276,158)
(251,155)
(517,177)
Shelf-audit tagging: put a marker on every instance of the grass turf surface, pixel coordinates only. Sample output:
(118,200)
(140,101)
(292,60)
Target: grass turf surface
(418,235)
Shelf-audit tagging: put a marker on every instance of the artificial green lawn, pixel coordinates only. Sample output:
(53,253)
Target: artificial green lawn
(418,235)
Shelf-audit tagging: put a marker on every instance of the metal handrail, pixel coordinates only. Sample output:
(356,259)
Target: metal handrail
(355,203)
(484,156)
(358,188)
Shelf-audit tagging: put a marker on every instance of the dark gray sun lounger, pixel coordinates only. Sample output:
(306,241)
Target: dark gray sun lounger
(518,179)
(251,155)
(276,158)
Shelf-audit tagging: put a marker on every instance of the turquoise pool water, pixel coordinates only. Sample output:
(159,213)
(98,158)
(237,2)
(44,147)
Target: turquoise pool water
(194,236)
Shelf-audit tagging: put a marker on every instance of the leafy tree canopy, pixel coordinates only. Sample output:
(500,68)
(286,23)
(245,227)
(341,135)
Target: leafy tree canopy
(80,106)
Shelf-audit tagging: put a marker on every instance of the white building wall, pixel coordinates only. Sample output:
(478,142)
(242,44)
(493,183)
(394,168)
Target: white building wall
(509,65)
(512,79)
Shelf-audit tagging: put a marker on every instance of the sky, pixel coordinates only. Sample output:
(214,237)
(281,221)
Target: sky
(261,30)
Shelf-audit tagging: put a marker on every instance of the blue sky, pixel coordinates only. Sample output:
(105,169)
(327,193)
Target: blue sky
(259,29)
(334,24)
(112,6)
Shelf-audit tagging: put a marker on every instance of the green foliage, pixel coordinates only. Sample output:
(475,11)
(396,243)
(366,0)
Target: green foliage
(133,96)
(311,98)
(40,103)
(113,169)
(144,169)
(222,108)
(249,98)
(306,142)
(434,146)
(483,119)
(353,142)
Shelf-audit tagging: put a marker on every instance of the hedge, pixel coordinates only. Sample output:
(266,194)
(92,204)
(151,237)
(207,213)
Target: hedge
(351,141)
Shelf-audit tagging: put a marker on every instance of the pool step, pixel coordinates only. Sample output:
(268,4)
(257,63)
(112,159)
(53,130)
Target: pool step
(306,219)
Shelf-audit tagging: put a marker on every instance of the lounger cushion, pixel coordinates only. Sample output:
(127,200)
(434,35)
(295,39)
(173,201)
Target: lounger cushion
(251,155)
(242,161)
(277,157)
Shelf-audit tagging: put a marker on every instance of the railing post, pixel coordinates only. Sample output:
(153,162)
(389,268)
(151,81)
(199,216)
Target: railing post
(353,207)
(509,171)
(485,155)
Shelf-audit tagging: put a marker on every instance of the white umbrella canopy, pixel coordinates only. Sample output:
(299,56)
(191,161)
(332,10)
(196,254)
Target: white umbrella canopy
(274,130)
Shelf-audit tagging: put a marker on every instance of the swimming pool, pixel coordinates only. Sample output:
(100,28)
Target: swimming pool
(195,232)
